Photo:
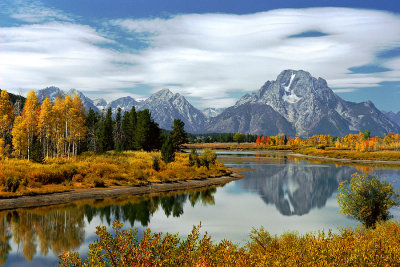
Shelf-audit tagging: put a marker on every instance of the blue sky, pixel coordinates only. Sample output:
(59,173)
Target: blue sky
(212,52)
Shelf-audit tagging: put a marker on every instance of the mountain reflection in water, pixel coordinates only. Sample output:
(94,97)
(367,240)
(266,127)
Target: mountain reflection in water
(62,227)
(295,189)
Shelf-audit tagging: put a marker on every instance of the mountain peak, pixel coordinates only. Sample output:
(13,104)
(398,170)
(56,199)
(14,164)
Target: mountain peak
(164,93)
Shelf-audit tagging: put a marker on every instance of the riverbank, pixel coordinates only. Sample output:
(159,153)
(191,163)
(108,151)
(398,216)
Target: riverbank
(25,178)
(325,154)
(115,191)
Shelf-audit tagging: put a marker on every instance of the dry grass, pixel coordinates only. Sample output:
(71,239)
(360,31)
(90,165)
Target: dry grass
(351,154)
(90,170)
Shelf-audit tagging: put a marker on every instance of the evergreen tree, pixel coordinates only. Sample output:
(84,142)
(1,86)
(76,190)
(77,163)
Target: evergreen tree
(100,134)
(147,132)
(36,152)
(128,129)
(118,131)
(92,140)
(168,151)
(108,138)
(178,134)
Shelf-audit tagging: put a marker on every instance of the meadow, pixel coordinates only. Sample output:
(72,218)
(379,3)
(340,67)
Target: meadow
(23,177)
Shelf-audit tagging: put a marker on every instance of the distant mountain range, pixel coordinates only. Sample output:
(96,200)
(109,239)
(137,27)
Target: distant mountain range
(294,103)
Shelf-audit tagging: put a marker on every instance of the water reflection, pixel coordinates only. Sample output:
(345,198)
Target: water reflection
(62,228)
(293,188)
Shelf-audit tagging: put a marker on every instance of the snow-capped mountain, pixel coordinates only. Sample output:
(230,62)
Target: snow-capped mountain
(166,106)
(395,117)
(87,102)
(295,103)
(52,93)
(212,112)
(100,103)
(125,103)
(307,104)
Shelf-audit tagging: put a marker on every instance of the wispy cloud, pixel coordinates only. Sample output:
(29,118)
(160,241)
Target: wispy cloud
(33,11)
(221,53)
(207,57)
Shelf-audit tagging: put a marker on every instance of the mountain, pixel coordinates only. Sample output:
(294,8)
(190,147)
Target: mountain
(395,117)
(166,106)
(295,189)
(125,103)
(212,112)
(87,102)
(305,103)
(52,93)
(100,103)
(251,118)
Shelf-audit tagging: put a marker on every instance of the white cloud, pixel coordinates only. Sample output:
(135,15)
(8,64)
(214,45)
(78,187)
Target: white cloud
(221,53)
(206,57)
(34,11)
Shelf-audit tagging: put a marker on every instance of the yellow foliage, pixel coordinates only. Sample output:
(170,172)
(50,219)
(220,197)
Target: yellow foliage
(87,170)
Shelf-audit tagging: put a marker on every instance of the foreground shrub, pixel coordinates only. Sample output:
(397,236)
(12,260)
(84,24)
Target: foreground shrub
(367,199)
(358,247)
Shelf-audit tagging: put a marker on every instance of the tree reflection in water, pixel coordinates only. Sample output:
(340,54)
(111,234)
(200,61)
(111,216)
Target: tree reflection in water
(60,228)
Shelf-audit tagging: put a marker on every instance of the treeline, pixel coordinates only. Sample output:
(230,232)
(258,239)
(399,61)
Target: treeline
(362,142)
(63,129)
(220,138)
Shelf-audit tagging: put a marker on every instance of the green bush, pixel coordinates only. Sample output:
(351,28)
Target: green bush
(367,199)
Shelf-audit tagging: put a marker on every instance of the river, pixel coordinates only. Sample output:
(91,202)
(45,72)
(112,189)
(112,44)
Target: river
(278,192)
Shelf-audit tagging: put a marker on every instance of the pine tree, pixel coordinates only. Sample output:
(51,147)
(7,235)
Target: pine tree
(118,131)
(108,138)
(92,120)
(147,132)
(142,131)
(178,134)
(168,151)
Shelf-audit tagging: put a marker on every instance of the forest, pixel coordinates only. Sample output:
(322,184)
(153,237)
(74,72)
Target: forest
(56,147)
(63,129)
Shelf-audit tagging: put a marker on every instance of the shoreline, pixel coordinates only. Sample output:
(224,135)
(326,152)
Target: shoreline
(111,192)
(373,161)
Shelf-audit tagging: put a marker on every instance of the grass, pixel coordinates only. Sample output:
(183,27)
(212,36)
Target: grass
(22,177)
(385,155)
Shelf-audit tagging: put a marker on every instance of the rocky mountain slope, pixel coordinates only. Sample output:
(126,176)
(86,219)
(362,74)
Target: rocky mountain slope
(395,117)
(212,112)
(305,103)
(166,106)
(295,103)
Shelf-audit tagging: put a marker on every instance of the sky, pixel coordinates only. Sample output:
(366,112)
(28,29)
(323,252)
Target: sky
(212,52)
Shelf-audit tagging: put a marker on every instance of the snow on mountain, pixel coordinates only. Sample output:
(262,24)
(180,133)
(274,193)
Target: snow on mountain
(395,117)
(212,112)
(125,103)
(309,106)
(166,106)
(52,92)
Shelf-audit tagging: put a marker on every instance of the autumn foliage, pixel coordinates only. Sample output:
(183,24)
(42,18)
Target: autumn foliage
(91,170)
(351,247)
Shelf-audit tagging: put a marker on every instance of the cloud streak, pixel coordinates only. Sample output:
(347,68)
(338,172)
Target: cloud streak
(207,57)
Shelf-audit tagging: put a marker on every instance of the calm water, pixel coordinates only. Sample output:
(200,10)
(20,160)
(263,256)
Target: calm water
(280,193)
